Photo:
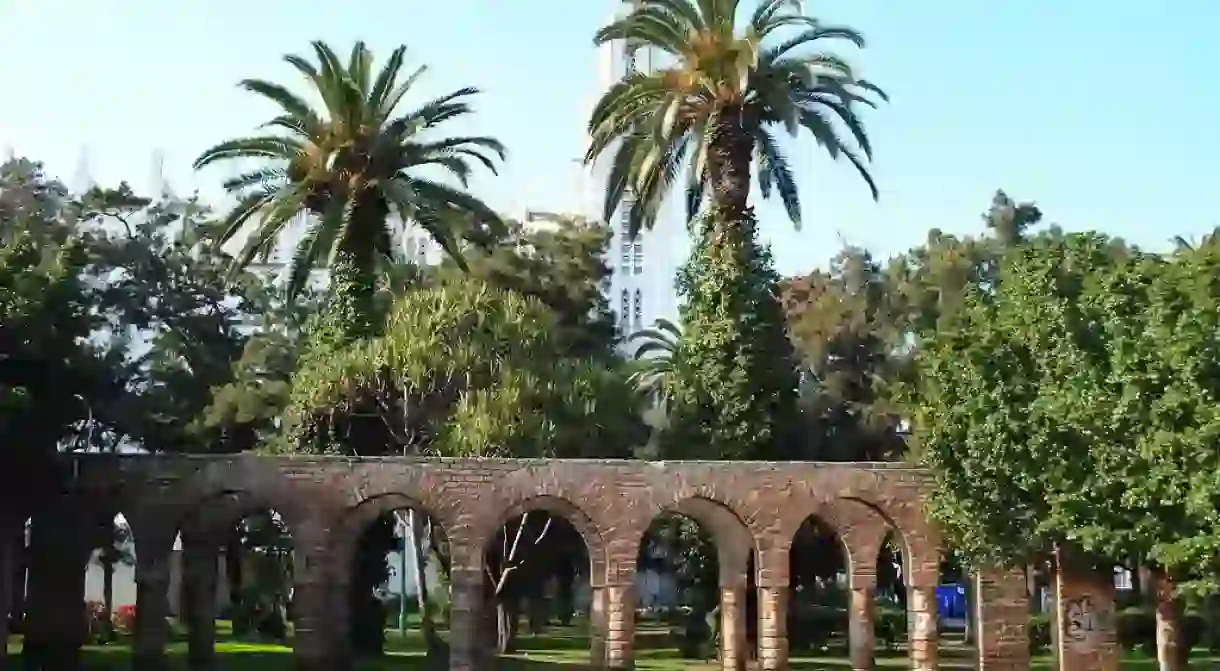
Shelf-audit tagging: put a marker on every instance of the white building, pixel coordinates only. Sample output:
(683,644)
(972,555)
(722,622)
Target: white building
(642,286)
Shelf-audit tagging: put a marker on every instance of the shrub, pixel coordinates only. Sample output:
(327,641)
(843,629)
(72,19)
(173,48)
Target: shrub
(891,626)
(1137,629)
(814,626)
(95,617)
(1039,632)
(125,619)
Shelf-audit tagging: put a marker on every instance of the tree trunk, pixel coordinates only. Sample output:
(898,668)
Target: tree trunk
(507,618)
(9,556)
(108,592)
(1147,584)
(233,573)
(351,310)
(1031,588)
(971,612)
(1170,653)
(371,571)
(1211,611)
(729,158)
(420,533)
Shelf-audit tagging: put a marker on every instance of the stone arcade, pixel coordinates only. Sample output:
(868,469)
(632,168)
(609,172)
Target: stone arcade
(748,507)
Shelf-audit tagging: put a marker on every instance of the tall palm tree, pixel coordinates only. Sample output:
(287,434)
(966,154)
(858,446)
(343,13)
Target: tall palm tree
(720,103)
(351,165)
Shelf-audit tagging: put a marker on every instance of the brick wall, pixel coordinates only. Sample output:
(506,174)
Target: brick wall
(751,508)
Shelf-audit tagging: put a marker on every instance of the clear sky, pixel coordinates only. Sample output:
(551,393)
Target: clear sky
(1104,113)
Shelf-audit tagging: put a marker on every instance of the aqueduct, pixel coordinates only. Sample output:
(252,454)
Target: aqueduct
(752,509)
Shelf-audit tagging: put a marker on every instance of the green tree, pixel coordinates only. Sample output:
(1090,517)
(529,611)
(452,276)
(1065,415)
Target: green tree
(355,166)
(848,331)
(654,357)
(245,412)
(462,354)
(730,88)
(173,319)
(559,259)
(1001,410)
(734,389)
(462,369)
(50,373)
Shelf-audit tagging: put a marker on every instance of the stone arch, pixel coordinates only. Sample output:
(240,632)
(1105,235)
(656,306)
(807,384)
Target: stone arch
(423,489)
(761,516)
(239,487)
(595,543)
(735,543)
(214,513)
(896,496)
(357,518)
(918,540)
(557,491)
(859,529)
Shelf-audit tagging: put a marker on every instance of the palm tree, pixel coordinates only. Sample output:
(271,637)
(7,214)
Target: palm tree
(1183,244)
(720,104)
(653,378)
(351,165)
(655,361)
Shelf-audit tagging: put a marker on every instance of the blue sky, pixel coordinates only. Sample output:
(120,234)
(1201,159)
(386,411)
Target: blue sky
(1104,113)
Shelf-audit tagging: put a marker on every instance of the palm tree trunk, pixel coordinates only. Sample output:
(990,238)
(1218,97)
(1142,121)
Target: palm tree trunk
(729,158)
(352,312)
(351,306)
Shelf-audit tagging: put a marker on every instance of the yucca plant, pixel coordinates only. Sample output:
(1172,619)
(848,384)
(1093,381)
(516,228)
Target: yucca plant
(719,103)
(351,164)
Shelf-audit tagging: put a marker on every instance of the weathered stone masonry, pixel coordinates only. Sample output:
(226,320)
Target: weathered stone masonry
(751,509)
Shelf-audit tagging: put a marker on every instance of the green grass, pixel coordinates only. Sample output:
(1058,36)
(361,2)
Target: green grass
(558,650)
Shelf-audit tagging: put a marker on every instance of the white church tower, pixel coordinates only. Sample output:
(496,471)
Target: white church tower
(642,284)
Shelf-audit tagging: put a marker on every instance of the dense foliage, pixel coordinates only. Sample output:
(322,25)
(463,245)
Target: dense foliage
(1061,388)
(734,387)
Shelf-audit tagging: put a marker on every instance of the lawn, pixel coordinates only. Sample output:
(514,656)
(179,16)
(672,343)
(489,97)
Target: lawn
(559,650)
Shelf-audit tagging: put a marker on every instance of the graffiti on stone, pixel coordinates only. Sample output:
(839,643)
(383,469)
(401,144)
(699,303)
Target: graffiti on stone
(1086,621)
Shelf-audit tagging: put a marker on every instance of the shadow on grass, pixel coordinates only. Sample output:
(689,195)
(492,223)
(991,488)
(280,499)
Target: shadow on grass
(558,650)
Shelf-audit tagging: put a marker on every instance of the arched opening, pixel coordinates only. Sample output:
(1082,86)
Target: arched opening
(956,615)
(75,583)
(538,567)
(398,593)
(890,610)
(819,575)
(677,587)
(943,598)
(255,579)
(110,580)
(694,585)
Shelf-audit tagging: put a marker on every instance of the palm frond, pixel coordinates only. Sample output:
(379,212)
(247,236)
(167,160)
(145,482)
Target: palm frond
(352,165)
(656,124)
(267,146)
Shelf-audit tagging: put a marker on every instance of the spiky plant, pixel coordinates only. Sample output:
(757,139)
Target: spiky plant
(720,102)
(654,361)
(351,164)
